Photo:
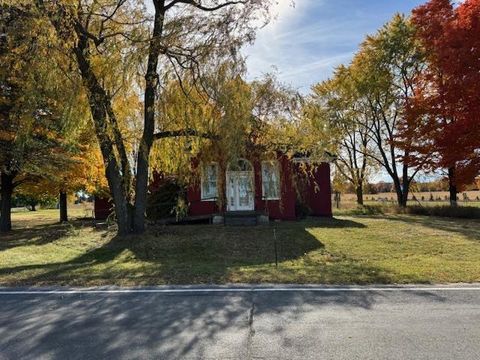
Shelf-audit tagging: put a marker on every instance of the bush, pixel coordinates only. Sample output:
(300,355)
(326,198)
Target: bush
(167,202)
(302,210)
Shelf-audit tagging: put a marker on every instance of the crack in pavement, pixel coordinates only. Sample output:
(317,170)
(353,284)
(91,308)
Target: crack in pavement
(251,330)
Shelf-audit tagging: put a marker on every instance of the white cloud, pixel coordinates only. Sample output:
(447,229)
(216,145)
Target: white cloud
(324,64)
(287,11)
(298,51)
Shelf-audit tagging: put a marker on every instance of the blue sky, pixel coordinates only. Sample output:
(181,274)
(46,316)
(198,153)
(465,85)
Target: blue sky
(306,42)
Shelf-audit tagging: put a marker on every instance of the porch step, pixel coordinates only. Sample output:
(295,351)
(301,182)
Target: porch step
(243,218)
(241,221)
(242,213)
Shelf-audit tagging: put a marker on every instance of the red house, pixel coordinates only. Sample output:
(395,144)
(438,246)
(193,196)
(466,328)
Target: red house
(280,189)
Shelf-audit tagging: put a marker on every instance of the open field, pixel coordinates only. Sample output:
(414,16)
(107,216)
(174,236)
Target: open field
(350,249)
(438,198)
(23,218)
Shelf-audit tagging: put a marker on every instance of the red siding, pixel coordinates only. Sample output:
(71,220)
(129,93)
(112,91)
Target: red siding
(318,192)
(276,209)
(197,206)
(315,193)
(283,209)
(102,208)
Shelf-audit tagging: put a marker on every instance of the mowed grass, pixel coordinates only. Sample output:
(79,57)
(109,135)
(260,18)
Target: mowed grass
(25,219)
(382,249)
(352,205)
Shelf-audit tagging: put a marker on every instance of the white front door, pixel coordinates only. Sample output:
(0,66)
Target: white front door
(240,191)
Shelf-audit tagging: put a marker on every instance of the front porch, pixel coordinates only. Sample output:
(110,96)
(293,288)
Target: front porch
(241,218)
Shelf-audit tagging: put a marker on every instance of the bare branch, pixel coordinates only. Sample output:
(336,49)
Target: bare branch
(201,7)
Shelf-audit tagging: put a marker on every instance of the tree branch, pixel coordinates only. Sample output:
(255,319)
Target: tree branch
(185,133)
(201,7)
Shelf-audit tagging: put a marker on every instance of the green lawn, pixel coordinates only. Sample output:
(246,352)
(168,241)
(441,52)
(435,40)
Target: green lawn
(348,250)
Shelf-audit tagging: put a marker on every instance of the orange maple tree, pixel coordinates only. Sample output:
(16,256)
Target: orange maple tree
(446,105)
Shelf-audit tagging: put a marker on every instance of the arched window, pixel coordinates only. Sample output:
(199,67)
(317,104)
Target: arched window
(270,180)
(240,165)
(209,188)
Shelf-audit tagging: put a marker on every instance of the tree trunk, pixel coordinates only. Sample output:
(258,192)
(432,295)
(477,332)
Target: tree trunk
(151,83)
(359,192)
(141,190)
(398,191)
(405,193)
(337,199)
(452,186)
(402,187)
(63,207)
(100,106)
(6,202)
(405,186)
(97,98)
(33,206)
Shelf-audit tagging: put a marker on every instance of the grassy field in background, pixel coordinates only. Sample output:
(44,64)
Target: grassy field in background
(347,250)
(441,198)
(23,218)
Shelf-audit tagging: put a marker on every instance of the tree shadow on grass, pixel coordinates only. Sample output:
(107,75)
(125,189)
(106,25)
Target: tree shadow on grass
(334,223)
(206,254)
(173,254)
(41,234)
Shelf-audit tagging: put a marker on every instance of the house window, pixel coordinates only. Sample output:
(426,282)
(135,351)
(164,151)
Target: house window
(209,182)
(270,180)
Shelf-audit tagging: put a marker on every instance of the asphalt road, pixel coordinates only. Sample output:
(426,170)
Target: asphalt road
(423,323)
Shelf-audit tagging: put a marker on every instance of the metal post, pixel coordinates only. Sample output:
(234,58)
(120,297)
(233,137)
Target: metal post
(275,245)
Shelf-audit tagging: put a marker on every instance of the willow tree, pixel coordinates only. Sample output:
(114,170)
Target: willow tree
(174,38)
(232,118)
(210,120)
(277,118)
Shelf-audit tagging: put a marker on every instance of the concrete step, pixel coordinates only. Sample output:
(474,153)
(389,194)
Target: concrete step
(242,213)
(245,218)
(240,220)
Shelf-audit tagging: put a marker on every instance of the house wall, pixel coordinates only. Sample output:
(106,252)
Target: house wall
(316,193)
(102,207)
(283,209)
(197,206)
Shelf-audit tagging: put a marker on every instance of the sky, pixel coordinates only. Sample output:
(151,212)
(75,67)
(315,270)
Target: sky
(308,40)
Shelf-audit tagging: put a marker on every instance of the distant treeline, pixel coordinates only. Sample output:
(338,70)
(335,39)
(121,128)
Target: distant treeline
(416,187)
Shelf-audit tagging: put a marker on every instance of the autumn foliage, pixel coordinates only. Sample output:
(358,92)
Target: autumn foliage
(446,105)
(73,76)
